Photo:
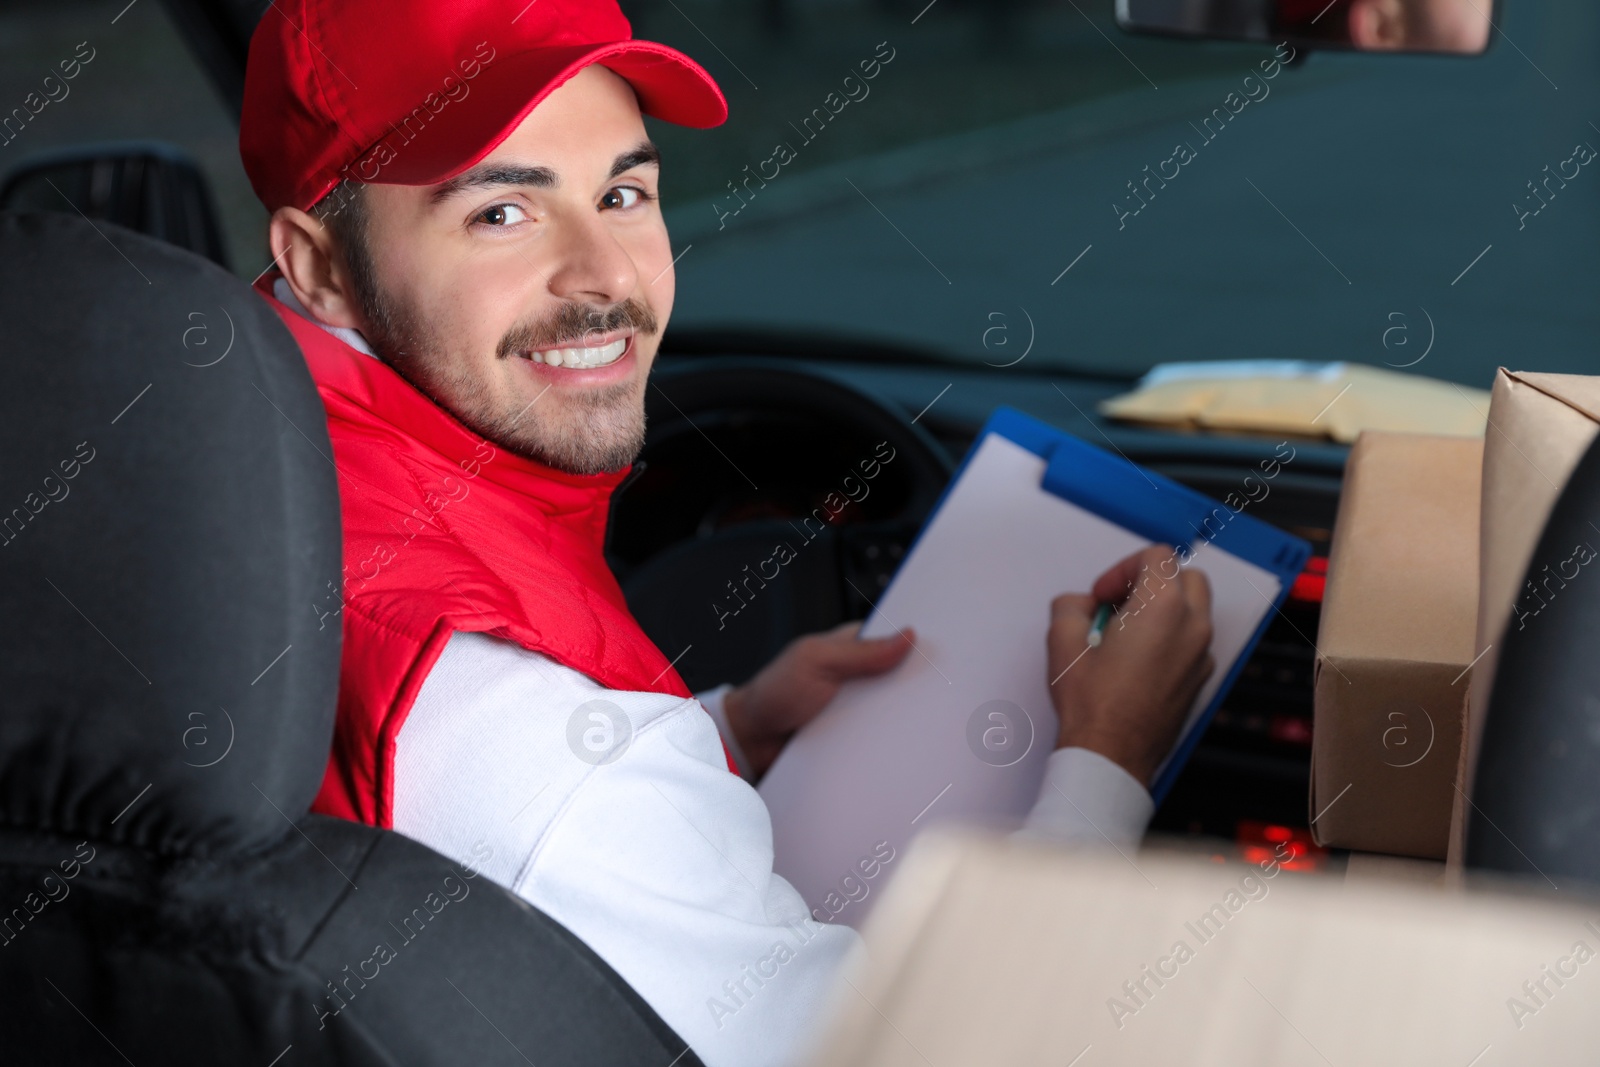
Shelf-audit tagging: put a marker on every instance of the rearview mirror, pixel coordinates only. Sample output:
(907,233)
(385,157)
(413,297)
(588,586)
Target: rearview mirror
(1461,27)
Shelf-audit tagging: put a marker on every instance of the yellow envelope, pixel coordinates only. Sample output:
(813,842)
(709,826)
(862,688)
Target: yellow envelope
(1338,406)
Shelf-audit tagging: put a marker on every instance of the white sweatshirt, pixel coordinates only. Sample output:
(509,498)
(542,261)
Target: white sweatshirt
(658,858)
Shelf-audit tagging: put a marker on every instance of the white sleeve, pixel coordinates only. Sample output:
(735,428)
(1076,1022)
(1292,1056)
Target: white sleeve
(712,701)
(615,814)
(1088,799)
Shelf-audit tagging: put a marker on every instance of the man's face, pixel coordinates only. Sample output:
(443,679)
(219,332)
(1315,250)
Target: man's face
(507,293)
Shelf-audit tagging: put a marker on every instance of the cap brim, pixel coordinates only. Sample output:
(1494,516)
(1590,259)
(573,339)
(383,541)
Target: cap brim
(437,145)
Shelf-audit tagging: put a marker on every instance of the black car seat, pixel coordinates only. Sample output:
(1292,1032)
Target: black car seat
(1536,796)
(169,600)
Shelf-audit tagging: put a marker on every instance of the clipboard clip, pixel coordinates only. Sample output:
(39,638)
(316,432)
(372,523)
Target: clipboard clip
(1119,491)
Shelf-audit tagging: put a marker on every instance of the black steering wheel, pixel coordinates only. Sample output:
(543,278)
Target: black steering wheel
(770,501)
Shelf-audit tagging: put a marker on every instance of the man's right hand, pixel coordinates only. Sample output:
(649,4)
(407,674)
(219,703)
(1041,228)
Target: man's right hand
(1128,698)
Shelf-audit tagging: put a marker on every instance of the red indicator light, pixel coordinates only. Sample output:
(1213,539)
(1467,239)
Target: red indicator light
(1290,847)
(1308,588)
(1312,581)
(1290,729)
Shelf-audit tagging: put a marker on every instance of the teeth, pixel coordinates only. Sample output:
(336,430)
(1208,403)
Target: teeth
(581,357)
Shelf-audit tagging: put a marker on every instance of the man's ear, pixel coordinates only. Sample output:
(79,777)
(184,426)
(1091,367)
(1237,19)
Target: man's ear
(1377,25)
(308,253)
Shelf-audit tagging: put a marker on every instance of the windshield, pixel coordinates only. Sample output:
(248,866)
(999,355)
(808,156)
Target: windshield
(1024,186)
(918,71)
(1027,172)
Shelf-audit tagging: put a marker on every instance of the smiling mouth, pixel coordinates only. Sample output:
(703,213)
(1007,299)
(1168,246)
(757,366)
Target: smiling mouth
(581,356)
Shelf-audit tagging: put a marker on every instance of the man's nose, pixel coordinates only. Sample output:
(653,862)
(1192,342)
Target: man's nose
(591,265)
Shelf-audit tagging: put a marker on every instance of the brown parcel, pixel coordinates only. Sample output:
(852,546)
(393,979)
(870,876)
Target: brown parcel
(1395,643)
(1540,425)
(991,952)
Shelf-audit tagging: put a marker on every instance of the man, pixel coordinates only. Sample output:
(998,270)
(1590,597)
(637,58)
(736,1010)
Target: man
(472,256)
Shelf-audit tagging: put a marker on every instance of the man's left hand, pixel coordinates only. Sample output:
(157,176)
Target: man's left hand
(794,688)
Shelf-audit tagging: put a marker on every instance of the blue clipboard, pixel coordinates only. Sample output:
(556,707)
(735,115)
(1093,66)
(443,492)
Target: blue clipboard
(1155,507)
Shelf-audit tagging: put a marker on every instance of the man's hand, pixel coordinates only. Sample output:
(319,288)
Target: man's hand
(794,688)
(1127,699)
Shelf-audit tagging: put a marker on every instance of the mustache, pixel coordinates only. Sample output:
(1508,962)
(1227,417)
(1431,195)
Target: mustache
(571,324)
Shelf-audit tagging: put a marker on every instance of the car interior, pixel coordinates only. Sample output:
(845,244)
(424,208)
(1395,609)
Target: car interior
(979,231)
(162,855)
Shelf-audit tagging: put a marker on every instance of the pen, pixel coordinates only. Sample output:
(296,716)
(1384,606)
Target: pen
(1097,629)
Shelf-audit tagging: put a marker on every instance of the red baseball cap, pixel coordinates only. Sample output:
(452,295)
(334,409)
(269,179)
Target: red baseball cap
(412,92)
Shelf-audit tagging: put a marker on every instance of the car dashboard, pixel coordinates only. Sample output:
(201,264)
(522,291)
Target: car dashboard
(1247,781)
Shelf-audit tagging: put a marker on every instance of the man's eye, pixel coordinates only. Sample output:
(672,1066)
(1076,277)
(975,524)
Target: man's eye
(624,196)
(501,215)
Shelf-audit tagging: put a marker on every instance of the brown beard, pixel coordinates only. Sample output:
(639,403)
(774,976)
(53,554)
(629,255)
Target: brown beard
(597,431)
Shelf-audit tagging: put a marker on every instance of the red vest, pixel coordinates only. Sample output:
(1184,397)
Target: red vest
(444,531)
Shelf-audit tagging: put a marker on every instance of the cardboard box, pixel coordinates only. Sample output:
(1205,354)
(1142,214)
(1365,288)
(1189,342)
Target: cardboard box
(987,951)
(1540,425)
(1395,645)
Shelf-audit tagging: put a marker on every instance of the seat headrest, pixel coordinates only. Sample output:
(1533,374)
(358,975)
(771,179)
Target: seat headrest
(169,548)
(1534,799)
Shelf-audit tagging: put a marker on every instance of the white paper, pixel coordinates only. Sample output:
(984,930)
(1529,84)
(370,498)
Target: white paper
(891,755)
